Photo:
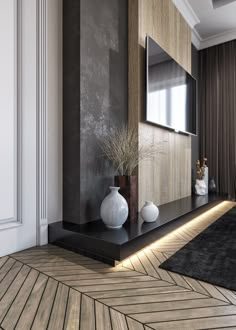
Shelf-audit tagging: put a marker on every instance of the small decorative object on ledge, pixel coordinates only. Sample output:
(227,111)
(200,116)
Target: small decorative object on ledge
(201,188)
(204,165)
(123,149)
(149,212)
(114,209)
(212,185)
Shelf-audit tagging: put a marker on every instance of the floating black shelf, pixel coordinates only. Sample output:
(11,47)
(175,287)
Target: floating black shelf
(112,246)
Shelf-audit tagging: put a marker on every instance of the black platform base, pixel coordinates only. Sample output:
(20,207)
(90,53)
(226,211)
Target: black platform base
(113,246)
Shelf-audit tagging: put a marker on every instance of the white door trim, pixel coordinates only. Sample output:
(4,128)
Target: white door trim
(42,124)
(18,62)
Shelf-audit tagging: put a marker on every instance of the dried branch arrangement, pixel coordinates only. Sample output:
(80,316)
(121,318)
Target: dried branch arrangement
(122,148)
(201,169)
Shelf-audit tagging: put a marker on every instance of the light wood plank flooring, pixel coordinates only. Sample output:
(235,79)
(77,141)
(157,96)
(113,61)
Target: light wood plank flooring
(51,288)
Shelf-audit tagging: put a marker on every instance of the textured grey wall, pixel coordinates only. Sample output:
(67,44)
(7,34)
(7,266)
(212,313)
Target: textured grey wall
(103,102)
(97,78)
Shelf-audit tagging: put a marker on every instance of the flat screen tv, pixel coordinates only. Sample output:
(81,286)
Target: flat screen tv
(171,91)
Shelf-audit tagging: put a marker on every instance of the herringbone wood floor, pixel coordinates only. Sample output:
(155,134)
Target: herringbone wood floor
(51,288)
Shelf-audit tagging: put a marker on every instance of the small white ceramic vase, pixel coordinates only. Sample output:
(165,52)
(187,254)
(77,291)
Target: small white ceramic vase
(200,187)
(149,212)
(114,209)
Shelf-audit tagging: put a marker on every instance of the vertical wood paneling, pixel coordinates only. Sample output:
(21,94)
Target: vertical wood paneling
(133,63)
(167,176)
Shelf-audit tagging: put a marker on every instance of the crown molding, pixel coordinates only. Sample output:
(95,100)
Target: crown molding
(196,39)
(187,12)
(220,3)
(192,19)
(217,39)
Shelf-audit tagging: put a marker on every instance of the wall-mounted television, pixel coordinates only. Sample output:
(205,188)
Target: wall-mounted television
(170,91)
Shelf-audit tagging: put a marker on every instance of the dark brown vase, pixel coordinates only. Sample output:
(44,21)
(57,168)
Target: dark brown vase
(128,189)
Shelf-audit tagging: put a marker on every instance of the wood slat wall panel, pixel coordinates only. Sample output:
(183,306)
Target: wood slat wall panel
(167,176)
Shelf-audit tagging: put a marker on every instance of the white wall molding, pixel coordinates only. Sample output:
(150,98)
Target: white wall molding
(217,39)
(192,19)
(42,121)
(220,3)
(196,39)
(17,217)
(19,110)
(202,43)
(55,106)
(187,12)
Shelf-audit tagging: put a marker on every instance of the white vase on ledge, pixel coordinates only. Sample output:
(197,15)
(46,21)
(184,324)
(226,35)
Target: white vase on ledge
(114,209)
(200,187)
(149,212)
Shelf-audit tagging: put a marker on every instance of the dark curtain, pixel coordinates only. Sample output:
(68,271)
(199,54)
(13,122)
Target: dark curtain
(217,110)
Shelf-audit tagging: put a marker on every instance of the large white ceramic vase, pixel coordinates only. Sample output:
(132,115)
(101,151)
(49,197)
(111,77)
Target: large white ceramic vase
(114,209)
(149,212)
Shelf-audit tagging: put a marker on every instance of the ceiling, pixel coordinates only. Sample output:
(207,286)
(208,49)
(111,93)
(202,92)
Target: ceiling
(213,21)
(220,3)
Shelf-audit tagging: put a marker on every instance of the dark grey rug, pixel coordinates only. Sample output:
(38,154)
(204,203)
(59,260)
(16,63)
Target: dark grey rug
(210,256)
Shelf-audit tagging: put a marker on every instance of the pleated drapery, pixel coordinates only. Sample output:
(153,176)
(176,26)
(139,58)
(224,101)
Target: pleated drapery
(217,114)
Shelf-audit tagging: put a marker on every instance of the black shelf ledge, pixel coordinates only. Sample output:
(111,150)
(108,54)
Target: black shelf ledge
(113,246)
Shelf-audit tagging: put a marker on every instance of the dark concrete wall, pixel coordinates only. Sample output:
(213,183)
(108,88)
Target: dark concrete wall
(102,102)
(104,91)
(195,139)
(71,109)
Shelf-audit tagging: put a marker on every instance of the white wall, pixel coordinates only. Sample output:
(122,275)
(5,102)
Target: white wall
(7,110)
(54,110)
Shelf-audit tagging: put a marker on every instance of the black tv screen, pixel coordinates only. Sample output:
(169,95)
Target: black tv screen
(171,91)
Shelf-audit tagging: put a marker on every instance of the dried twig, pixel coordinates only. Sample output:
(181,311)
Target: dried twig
(201,169)
(122,148)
